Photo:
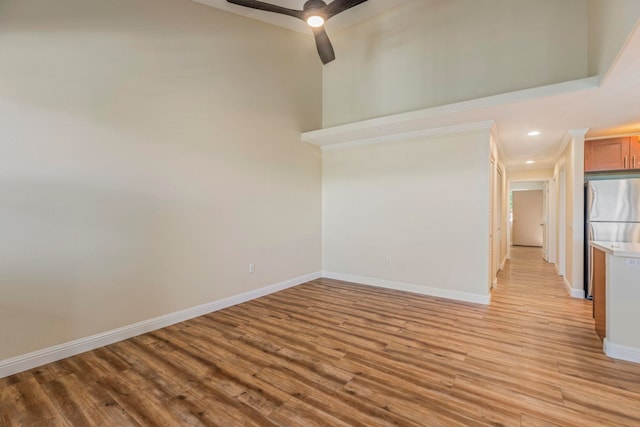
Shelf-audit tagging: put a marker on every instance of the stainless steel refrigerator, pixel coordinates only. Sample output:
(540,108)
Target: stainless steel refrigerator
(612,214)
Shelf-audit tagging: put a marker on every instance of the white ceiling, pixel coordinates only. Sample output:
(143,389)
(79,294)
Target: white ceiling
(608,107)
(366,10)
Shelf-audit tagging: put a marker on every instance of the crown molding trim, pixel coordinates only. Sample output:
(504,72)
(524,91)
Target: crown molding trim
(407,136)
(420,120)
(597,138)
(567,138)
(499,146)
(579,132)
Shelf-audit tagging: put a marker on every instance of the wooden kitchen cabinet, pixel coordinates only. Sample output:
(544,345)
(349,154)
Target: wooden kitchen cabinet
(606,154)
(599,291)
(634,152)
(612,154)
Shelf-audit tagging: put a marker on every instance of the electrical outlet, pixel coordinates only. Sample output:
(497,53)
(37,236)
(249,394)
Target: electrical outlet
(389,261)
(252,268)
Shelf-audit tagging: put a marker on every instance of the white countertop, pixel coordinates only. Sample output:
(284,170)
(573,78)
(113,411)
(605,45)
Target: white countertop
(621,249)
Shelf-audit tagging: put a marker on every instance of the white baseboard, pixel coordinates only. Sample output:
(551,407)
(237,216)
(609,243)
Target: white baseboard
(51,354)
(408,287)
(575,293)
(622,352)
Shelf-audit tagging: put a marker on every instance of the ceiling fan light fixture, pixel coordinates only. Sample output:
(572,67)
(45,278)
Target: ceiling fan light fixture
(315,21)
(314,13)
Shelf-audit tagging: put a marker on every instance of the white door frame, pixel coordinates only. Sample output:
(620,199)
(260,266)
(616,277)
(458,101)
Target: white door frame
(548,218)
(562,232)
(493,233)
(545,216)
(502,233)
(552,241)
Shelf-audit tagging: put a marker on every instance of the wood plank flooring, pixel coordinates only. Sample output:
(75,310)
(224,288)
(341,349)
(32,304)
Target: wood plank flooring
(328,353)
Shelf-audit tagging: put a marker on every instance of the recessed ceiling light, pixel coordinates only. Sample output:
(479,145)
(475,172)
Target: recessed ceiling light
(529,162)
(534,133)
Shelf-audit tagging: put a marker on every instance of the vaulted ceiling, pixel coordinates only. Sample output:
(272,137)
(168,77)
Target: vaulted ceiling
(607,104)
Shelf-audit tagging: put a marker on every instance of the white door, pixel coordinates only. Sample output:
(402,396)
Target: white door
(562,221)
(545,225)
(493,231)
(502,252)
(528,218)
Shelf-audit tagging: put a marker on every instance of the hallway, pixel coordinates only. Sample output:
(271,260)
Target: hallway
(560,350)
(531,287)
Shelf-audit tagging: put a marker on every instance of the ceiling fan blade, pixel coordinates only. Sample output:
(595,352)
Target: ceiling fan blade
(260,5)
(337,6)
(325,49)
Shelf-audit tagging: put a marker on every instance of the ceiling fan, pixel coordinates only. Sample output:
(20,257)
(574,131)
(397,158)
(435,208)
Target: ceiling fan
(314,13)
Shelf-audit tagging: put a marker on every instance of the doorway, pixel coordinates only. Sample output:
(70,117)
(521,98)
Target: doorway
(543,239)
(528,218)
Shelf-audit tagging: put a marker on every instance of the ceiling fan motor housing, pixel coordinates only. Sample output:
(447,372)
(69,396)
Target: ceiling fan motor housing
(314,7)
(315,4)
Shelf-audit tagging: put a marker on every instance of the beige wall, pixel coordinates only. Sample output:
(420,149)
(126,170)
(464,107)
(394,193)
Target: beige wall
(150,152)
(410,212)
(434,52)
(566,162)
(610,23)
(572,161)
(577,212)
(530,174)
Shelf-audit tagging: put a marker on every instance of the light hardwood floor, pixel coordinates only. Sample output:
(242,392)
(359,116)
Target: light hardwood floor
(335,354)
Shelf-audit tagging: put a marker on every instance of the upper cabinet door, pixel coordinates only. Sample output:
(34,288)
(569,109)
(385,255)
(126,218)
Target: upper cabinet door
(634,152)
(608,154)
